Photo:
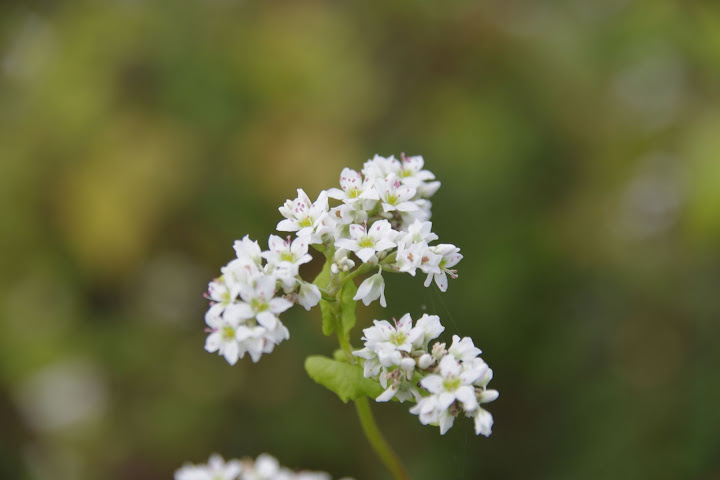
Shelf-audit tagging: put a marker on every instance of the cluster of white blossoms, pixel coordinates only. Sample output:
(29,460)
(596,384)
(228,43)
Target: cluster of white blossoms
(382,220)
(443,381)
(265,467)
(247,298)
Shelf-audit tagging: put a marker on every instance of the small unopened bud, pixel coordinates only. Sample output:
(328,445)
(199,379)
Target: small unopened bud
(425,361)
(487,396)
(439,351)
(408,364)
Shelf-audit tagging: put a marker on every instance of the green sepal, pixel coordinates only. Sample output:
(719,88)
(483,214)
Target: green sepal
(344,379)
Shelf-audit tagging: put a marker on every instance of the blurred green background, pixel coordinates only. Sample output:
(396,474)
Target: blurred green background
(578,143)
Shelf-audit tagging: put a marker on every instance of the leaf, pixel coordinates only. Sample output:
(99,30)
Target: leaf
(328,321)
(345,380)
(348,307)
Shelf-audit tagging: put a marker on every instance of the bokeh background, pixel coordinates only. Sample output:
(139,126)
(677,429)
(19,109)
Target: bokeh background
(578,143)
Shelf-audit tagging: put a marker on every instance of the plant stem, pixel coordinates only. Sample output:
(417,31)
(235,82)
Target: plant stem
(378,442)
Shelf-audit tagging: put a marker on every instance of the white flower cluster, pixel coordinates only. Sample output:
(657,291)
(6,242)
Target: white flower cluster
(243,316)
(443,381)
(383,220)
(265,467)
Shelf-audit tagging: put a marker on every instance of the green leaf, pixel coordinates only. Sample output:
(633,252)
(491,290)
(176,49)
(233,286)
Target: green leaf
(328,318)
(348,307)
(345,380)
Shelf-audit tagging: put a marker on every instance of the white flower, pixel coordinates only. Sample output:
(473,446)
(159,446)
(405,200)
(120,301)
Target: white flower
(418,232)
(483,422)
(430,328)
(303,216)
(487,373)
(309,295)
(395,196)
(223,336)
(381,167)
(412,172)
(221,293)
(421,214)
(266,467)
(240,272)
(400,388)
(354,188)
(366,242)
(285,257)
(312,476)
(283,252)
(347,213)
(430,412)
(371,289)
(387,342)
(463,349)
(259,302)
(216,469)
(247,248)
(450,258)
(452,383)
(409,256)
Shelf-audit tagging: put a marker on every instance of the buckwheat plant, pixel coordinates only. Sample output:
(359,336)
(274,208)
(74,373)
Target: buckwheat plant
(376,223)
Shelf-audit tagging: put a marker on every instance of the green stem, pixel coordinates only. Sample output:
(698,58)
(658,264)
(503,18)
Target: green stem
(378,442)
(362,269)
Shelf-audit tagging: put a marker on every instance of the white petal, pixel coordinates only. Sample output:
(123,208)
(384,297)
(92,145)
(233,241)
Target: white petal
(213,342)
(237,312)
(446,421)
(231,352)
(387,394)
(467,396)
(267,320)
(336,194)
(279,305)
(365,254)
(287,225)
(347,244)
(432,383)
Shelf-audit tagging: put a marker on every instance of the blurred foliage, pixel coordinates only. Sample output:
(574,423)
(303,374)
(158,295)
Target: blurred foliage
(578,143)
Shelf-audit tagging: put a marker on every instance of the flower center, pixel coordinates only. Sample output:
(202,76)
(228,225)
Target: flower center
(398,338)
(392,199)
(451,384)
(287,257)
(228,333)
(305,222)
(366,242)
(258,305)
